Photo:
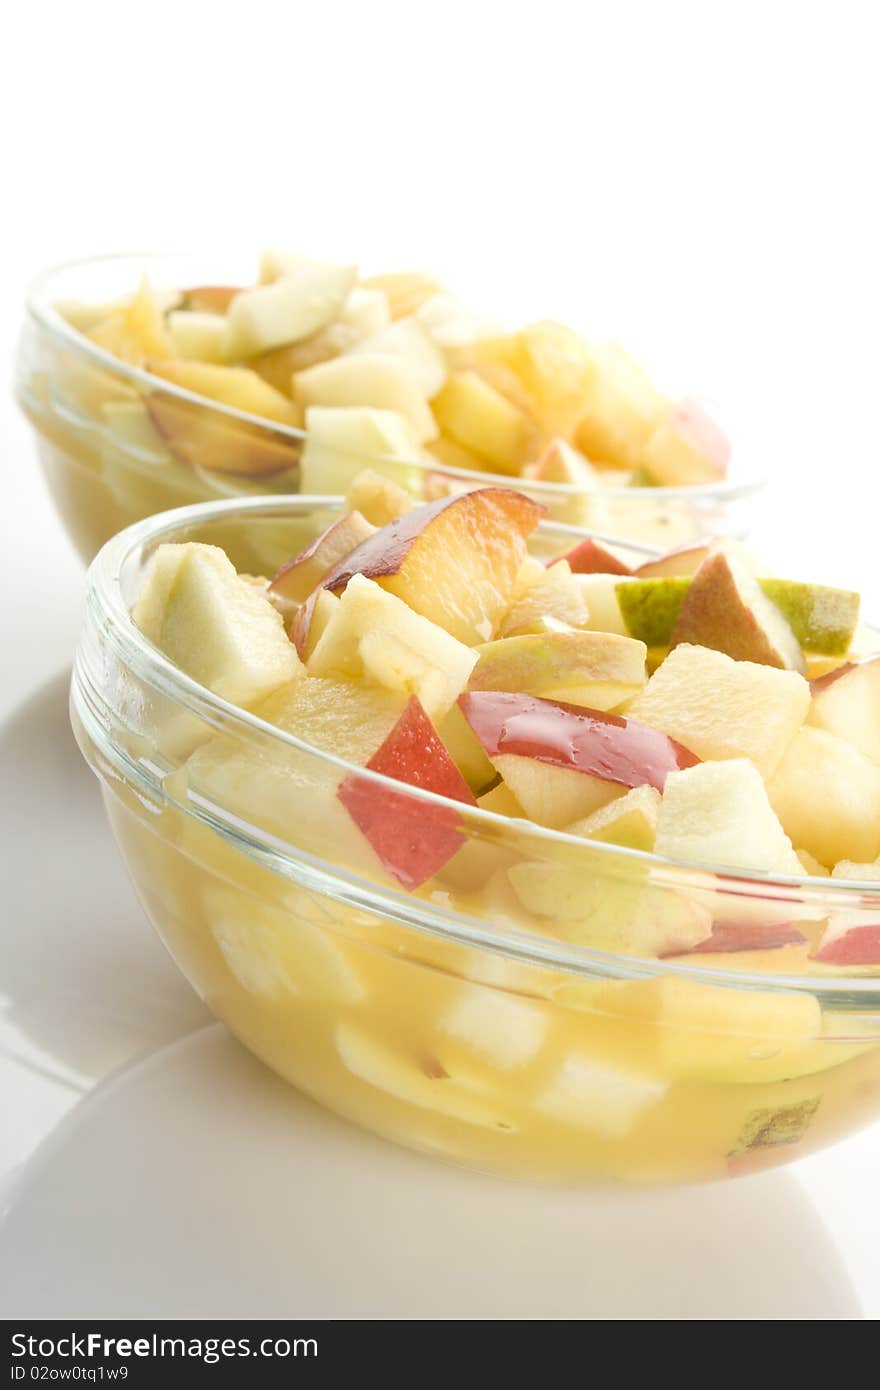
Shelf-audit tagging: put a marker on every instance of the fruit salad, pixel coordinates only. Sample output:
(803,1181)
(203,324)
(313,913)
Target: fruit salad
(173,394)
(534,860)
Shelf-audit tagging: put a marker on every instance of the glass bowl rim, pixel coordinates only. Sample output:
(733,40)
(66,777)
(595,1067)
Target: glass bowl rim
(105,602)
(41,308)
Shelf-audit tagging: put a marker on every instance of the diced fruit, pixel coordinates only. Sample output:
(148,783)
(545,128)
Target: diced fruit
(553,600)
(131,429)
(725,608)
(596,669)
(285,789)
(308,295)
(275,953)
(606,904)
(412,839)
(557,369)
(686,560)
(823,619)
(408,340)
(590,557)
(719,814)
(720,708)
(376,636)
(480,419)
(198,435)
(652,607)
(621,409)
(563,762)
(600,593)
(630,821)
(452,324)
(852,936)
(378,498)
(296,580)
(466,750)
(452,455)
(365,312)
(727,1034)
(340,440)
(827,795)
(847,703)
(730,937)
(417,1080)
(496,1028)
(214,625)
(209,299)
(135,332)
(369,379)
(198,335)
(560,463)
(406,290)
(310,620)
(687,447)
(602,1096)
(455,561)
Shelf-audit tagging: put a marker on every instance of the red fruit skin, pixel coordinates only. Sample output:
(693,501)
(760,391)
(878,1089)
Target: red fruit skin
(859,946)
(412,839)
(384,552)
(592,741)
(591,558)
(737,936)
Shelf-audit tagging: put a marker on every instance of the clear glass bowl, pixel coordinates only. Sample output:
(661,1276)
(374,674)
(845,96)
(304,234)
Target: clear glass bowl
(106,469)
(450,1018)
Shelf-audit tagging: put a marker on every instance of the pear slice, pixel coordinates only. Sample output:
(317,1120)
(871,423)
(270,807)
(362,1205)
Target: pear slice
(725,609)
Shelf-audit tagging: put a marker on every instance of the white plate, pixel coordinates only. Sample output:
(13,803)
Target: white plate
(195,1184)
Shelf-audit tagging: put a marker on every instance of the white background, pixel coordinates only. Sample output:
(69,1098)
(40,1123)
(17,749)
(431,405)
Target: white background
(698,179)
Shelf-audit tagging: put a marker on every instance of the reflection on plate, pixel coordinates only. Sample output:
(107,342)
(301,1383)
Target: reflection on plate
(197,1185)
(85,984)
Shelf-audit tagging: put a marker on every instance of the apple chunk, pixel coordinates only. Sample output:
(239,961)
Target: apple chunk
(379,380)
(687,447)
(455,560)
(214,625)
(412,839)
(719,813)
(589,557)
(482,420)
(724,708)
(341,440)
(553,599)
(296,580)
(374,635)
(308,296)
(562,762)
(597,669)
(847,703)
(827,796)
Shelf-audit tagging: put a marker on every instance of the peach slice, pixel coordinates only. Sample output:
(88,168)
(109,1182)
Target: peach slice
(455,561)
(412,839)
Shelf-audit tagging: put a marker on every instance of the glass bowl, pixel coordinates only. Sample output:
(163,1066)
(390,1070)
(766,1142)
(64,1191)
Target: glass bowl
(560,1041)
(107,467)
